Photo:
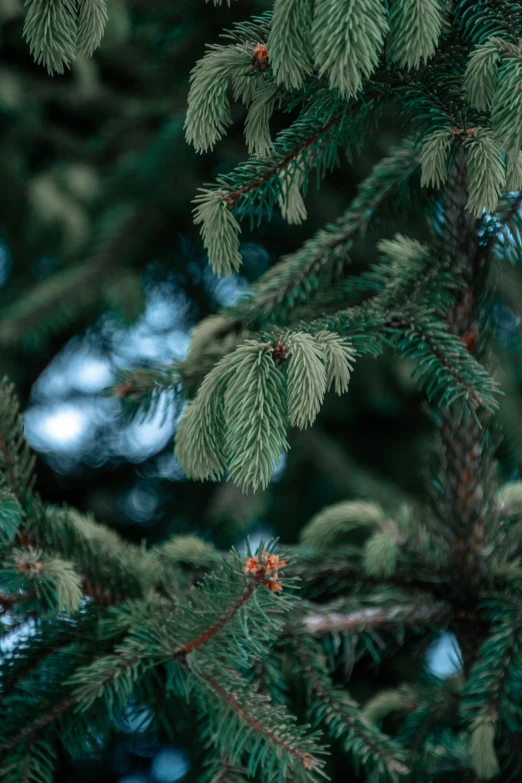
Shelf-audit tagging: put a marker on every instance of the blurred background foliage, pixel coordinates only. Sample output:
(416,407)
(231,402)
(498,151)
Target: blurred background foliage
(101,270)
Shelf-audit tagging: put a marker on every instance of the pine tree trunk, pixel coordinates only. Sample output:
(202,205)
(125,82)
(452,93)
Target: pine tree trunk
(467,502)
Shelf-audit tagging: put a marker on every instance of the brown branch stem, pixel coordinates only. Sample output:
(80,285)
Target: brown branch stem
(223,620)
(234,195)
(373,617)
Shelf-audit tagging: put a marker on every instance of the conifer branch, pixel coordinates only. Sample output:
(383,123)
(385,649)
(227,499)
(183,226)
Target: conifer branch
(263,571)
(52,636)
(33,729)
(417,334)
(134,656)
(362,571)
(325,622)
(267,738)
(187,648)
(106,562)
(16,458)
(342,717)
(231,196)
(238,418)
(313,139)
(304,758)
(295,278)
(421,332)
(487,690)
(31,762)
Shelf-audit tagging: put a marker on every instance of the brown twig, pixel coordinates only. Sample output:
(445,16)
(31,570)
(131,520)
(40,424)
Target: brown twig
(374,617)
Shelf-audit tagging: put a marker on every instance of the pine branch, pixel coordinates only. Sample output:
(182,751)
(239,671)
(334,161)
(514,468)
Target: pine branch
(31,730)
(325,621)
(315,137)
(339,712)
(37,674)
(249,601)
(461,377)
(149,641)
(304,758)
(238,418)
(305,134)
(229,613)
(29,763)
(16,459)
(446,370)
(199,622)
(502,20)
(52,636)
(52,580)
(50,29)
(321,259)
(267,725)
(112,568)
(489,697)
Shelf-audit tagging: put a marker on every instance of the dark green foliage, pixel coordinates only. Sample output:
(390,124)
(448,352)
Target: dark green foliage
(247,648)
(16,460)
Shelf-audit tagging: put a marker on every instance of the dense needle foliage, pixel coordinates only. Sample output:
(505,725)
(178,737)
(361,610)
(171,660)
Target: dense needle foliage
(255,651)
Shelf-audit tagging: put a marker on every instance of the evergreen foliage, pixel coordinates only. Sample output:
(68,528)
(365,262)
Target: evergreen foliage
(230,639)
(59,30)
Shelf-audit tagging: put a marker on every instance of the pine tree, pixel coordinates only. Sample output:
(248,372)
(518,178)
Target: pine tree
(238,645)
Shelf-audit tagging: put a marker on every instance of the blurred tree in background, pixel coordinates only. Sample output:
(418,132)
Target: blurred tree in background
(102,271)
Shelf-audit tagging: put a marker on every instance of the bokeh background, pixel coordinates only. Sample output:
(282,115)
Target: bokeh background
(101,270)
